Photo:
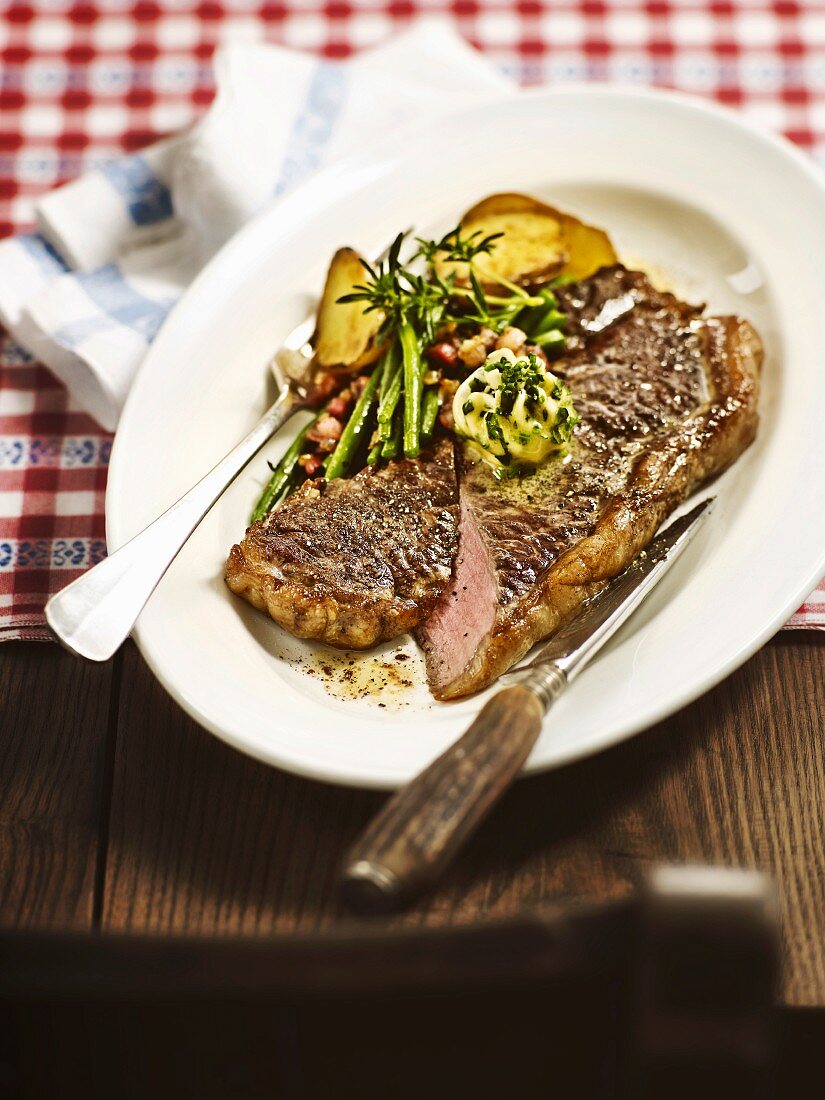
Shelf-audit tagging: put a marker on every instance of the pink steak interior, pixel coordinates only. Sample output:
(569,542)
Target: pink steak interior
(465,613)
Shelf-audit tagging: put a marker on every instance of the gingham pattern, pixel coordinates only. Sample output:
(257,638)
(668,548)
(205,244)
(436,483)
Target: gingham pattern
(82,82)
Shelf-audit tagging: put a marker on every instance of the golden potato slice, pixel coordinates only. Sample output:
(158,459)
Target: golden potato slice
(532,249)
(539,242)
(589,248)
(344,333)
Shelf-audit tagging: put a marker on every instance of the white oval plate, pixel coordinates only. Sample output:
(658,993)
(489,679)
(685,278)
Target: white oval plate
(733,216)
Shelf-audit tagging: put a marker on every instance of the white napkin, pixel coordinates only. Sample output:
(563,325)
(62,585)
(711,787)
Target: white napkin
(117,247)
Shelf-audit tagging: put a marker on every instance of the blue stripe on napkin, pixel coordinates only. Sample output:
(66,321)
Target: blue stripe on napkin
(313,125)
(47,259)
(112,294)
(119,303)
(147,198)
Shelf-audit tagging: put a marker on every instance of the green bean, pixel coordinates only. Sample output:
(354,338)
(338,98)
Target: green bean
(386,366)
(340,460)
(412,389)
(389,398)
(390,391)
(553,318)
(282,474)
(429,411)
(530,320)
(393,444)
(393,397)
(550,340)
(385,425)
(389,366)
(374,456)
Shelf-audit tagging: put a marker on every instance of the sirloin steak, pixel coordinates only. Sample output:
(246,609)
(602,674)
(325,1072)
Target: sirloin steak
(667,399)
(352,562)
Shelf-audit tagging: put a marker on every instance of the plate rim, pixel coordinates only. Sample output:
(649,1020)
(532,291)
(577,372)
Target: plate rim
(777,143)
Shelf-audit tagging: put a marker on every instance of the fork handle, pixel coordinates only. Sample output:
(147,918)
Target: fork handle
(423,826)
(95,614)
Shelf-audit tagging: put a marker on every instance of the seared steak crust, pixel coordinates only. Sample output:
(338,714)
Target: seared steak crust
(667,399)
(354,562)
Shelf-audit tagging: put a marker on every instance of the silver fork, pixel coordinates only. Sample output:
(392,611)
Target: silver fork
(94,615)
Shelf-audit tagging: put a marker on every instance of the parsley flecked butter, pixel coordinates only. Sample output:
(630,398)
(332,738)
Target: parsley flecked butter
(514,412)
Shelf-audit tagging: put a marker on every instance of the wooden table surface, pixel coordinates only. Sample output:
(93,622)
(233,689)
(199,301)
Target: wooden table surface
(119,812)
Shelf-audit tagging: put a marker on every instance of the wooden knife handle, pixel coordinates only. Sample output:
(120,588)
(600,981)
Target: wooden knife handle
(424,824)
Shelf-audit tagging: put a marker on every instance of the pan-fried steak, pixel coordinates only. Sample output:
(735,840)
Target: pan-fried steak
(667,398)
(354,562)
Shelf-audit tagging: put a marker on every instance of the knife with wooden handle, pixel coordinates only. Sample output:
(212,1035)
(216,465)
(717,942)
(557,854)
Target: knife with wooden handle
(423,825)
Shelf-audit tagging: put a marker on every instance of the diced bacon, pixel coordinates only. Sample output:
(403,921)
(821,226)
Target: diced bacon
(475,349)
(311,463)
(444,354)
(513,339)
(323,386)
(327,429)
(339,406)
(357,385)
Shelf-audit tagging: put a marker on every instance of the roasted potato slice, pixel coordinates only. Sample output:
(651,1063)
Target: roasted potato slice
(532,249)
(539,242)
(588,248)
(344,334)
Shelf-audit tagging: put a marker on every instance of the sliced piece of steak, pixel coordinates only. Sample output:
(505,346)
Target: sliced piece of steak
(667,398)
(354,562)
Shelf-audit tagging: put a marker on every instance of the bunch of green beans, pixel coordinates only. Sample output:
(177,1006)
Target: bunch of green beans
(407,411)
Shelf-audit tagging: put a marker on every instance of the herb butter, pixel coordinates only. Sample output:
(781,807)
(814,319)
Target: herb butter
(514,412)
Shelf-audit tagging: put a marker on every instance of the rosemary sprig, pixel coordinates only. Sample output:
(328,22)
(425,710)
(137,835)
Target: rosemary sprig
(430,300)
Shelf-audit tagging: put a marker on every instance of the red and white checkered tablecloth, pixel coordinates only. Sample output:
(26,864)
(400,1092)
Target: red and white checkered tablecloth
(81,82)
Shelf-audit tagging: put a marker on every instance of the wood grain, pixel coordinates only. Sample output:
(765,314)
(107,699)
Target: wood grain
(53,742)
(205,840)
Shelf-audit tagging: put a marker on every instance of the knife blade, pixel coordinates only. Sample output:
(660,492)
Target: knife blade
(575,645)
(423,826)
